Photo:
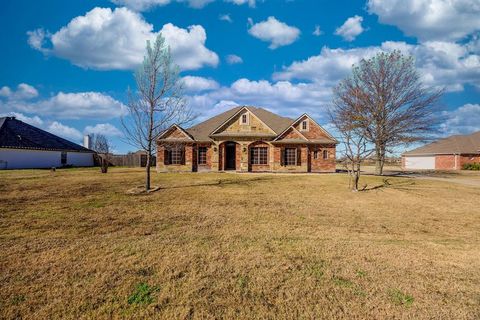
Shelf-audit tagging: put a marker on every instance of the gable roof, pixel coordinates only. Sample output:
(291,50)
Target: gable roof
(188,136)
(20,135)
(202,131)
(329,139)
(206,130)
(458,144)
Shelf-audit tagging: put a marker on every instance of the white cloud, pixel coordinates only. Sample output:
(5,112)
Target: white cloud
(463,120)
(104,39)
(196,84)
(251,3)
(283,97)
(143,5)
(317,32)
(439,63)
(79,105)
(429,19)
(106,129)
(225,17)
(24,91)
(351,28)
(233,59)
(276,32)
(5,91)
(62,105)
(64,131)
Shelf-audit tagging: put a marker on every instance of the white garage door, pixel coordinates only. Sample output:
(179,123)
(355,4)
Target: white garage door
(420,162)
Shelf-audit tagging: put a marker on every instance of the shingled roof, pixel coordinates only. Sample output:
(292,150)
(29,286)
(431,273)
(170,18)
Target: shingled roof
(202,131)
(16,134)
(458,144)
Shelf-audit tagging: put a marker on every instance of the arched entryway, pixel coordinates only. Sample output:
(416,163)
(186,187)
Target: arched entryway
(229,155)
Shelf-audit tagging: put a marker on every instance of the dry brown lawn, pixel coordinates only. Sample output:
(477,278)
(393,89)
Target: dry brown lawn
(74,244)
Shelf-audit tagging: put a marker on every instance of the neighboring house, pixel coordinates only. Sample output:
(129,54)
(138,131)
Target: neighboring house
(132,159)
(23,146)
(446,154)
(248,139)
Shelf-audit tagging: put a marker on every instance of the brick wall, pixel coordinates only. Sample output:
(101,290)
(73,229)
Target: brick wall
(313,131)
(277,151)
(445,162)
(320,164)
(469,158)
(187,167)
(260,167)
(208,166)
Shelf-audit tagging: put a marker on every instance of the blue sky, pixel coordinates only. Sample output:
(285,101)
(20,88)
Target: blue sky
(67,65)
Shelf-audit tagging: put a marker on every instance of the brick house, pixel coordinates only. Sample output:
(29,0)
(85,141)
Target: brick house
(247,139)
(446,154)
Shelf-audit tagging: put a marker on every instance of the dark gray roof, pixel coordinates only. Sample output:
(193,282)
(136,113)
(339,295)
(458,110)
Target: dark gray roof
(20,135)
(458,144)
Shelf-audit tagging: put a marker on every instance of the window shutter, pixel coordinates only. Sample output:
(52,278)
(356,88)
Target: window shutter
(299,156)
(166,156)
(183,155)
(282,156)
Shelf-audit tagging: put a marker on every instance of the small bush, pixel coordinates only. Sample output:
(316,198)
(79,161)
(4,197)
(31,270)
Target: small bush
(142,294)
(471,166)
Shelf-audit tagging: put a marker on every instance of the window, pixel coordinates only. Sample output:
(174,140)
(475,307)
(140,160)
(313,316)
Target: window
(63,158)
(202,155)
(325,154)
(259,155)
(315,154)
(245,118)
(290,156)
(175,155)
(304,125)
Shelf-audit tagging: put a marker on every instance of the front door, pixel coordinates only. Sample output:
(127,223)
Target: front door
(230,156)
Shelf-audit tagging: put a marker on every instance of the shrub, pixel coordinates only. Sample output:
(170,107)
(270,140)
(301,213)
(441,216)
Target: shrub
(471,166)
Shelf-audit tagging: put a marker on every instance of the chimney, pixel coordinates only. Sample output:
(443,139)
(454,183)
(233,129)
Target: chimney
(87,141)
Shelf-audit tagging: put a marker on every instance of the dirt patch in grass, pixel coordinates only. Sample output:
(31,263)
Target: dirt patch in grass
(73,244)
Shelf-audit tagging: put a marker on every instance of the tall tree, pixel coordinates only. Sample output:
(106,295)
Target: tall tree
(355,145)
(158,102)
(103,148)
(394,107)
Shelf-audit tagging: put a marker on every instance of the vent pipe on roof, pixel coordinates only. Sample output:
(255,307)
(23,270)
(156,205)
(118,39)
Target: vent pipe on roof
(87,141)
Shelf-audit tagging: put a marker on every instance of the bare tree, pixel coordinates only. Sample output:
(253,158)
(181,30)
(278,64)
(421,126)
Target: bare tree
(356,146)
(158,102)
(103,148)
(394,107)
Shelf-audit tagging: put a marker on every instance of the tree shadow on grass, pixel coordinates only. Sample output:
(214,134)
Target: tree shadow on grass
(221,183)
(403,185)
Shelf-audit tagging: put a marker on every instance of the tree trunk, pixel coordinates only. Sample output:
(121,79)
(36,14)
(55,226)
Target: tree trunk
(379,160)
(356,178)
(147,168)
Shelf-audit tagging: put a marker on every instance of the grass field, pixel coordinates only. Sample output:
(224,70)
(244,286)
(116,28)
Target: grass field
(74,244)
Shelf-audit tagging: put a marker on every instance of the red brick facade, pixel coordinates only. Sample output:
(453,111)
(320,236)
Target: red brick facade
(310,156)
